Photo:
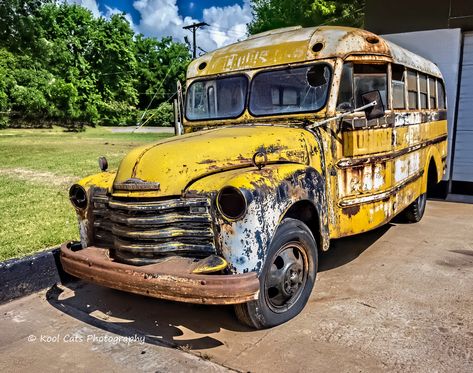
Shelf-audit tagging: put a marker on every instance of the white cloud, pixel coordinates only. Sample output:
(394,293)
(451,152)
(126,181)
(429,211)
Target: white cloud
(161,18)
(227,24)
(89,4)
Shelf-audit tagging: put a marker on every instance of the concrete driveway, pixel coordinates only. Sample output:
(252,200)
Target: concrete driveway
(396,299)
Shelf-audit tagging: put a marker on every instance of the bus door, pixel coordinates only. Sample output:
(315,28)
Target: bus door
(364,167)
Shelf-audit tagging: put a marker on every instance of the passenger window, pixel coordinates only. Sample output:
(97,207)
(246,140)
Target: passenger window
(412,89)
(432,93)
(423,91)
(345,92)
(369,78)
(398,86)
(441,94)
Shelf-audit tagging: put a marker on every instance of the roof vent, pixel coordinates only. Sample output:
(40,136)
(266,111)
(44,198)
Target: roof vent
(317,47)
(372,39)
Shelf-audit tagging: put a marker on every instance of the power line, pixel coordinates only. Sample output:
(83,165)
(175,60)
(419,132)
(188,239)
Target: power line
(194,28)
(159,87)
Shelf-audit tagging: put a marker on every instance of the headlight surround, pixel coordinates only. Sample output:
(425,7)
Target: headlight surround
(78,196)
(231,203)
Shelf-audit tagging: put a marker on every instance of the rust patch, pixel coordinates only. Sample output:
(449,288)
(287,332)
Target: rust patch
(92,264)
(351,211)
(206,161)
(227,228)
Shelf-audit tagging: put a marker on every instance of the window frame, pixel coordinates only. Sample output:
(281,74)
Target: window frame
(404,91)
(327,98)
(408,106)
(215,78)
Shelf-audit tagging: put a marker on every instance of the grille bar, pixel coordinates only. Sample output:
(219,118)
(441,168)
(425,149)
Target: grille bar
(163,248)
(158,220)
(146,231)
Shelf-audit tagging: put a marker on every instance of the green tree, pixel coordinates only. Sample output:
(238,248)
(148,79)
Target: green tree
(59,63)
(17,26)
(161,63)
(272,14)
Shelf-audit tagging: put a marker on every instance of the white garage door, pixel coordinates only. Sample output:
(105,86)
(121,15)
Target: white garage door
(463,160)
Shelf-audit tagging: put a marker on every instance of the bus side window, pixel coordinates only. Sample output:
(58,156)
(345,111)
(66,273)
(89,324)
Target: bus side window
(432,93)
(441,94)
(345,92)
(398,86)
(369,78)
(423,91)
(412,89)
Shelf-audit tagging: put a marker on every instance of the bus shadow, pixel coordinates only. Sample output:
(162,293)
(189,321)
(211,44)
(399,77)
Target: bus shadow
(347,249)
(173,324)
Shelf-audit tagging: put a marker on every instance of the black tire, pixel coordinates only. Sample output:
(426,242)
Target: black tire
(415,211)
(287,277)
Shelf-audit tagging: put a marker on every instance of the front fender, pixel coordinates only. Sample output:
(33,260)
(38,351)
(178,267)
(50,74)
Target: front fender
(95,184)
(269,192)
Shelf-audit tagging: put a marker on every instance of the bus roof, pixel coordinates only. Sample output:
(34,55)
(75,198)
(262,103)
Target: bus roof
(297,44)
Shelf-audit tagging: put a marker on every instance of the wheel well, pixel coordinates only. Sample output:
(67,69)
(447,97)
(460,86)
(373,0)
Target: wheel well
(434,188)
(432,176)
(306,212)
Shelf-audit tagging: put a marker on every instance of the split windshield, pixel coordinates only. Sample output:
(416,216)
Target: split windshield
(284,91)
(217,99)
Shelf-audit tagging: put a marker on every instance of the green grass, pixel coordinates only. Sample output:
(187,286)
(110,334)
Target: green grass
(36,170)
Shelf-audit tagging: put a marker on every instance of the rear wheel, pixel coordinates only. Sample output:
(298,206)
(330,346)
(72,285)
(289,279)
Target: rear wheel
(286,280)
(415,211)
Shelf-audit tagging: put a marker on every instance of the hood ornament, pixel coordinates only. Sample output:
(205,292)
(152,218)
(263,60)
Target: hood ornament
(137,184)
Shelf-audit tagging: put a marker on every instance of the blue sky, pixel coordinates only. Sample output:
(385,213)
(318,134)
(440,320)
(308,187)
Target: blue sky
(193,9)
(161,18)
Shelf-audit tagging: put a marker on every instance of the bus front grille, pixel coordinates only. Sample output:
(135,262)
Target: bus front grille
(144,231)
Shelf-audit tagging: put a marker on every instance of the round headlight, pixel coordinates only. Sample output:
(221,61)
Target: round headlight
(231,203)
(78,196)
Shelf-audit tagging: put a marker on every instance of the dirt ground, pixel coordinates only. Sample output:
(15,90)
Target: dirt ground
(396,299)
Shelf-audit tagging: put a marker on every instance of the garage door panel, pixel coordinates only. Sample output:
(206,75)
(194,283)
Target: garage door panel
(463,160)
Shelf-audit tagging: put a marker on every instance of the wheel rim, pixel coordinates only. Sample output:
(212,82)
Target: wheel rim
(286,277)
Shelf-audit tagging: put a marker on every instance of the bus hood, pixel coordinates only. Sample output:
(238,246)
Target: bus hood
(170,166)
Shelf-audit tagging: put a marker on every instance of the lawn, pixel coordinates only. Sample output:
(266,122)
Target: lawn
(37,168)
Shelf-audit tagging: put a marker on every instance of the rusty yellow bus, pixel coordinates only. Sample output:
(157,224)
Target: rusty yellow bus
(293,137)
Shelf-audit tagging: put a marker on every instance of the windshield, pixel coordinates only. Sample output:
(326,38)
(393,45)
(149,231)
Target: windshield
(292,90)
(217,99)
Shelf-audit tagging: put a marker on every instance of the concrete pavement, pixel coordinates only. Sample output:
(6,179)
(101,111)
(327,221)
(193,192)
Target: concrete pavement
(399,298)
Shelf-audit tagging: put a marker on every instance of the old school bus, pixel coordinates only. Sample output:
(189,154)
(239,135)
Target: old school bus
(293,137)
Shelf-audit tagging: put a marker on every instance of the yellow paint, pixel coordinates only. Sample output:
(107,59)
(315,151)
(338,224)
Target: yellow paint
(102,180)
(359,197)
(179,162)
(366,142)
(208,266)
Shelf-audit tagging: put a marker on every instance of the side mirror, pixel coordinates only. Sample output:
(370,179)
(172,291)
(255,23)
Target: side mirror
(375,111)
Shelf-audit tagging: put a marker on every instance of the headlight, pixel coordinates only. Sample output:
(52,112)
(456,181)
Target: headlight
(231,203)
(78,196)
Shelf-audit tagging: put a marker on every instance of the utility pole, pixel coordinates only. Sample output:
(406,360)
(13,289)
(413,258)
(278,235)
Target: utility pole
(194,28)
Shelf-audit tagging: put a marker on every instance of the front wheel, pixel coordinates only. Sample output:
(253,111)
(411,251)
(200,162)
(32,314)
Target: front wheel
(287,277)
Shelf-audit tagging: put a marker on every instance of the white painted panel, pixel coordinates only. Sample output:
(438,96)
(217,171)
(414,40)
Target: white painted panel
(443,48)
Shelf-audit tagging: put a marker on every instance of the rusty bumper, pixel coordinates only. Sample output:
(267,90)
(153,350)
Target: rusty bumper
(168,280)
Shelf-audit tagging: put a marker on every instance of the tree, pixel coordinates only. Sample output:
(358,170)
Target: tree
(17,25)
(160,64)
(59,63)
(272,14)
